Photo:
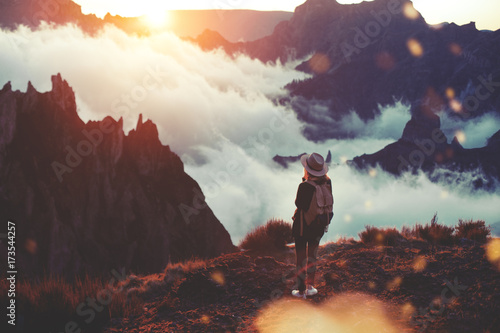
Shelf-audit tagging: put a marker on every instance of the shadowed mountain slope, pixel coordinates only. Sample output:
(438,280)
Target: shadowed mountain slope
(87,197)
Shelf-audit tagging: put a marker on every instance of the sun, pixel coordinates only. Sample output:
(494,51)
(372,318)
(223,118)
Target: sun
(157,19)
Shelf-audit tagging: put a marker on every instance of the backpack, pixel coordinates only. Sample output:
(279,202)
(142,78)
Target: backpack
(321,203)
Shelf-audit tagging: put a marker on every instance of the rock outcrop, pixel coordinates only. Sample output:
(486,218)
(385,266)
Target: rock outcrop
(87,197)
(423,146)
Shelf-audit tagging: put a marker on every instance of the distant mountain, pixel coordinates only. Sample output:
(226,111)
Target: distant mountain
(87,197)
(234,25)
(363,56)
(423,146)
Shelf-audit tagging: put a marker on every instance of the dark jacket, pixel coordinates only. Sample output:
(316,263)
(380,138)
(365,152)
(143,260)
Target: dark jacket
(303,199)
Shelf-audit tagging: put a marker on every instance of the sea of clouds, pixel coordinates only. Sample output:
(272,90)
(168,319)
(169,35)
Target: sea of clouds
(221,115)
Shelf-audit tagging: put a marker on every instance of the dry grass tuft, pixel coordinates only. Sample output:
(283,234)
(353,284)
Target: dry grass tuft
(49,303)
(273,236)
(473,230)
(380,236)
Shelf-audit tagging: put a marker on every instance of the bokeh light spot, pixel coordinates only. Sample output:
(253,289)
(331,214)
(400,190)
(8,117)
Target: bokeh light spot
(461,137)
(416,49)
(456,106)
(419,264)
(493,252)
(385,61)
(347,218)
(373,173)
(450,93)
(218,277)
(455,49)
(368,204)
(410,12)
(30,246)
(407,311)
(205,319)
(444,194)
(394,283)
(320,63)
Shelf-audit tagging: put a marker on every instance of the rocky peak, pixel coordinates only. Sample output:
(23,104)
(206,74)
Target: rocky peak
(91,198)
(421,125)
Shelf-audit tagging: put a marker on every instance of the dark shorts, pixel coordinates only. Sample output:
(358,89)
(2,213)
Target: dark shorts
(315,230)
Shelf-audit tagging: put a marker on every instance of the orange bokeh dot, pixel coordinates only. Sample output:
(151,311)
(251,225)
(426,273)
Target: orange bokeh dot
(320,63)
(416,49)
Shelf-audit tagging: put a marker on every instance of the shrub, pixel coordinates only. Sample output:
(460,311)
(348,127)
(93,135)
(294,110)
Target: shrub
(175,271)
(408,232)
(272,236)
(50,302)
(380,236)
(473,230)
(435,233)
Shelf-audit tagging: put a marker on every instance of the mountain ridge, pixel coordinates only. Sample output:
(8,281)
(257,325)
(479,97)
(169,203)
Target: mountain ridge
(90,197)
(235,25)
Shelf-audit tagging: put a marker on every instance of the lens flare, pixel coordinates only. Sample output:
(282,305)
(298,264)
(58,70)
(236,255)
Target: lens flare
(416,49)
(493,252)
(345,313)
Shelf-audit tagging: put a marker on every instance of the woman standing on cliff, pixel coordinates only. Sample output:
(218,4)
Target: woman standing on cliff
(314,212)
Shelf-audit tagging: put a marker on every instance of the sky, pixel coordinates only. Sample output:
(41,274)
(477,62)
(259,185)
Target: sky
(483,12)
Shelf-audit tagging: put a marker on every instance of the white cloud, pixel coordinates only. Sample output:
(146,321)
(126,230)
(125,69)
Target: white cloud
(476,132)
(218,114)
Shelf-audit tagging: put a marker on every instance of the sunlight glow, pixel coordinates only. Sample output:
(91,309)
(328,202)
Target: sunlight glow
(157,19)
(344,313)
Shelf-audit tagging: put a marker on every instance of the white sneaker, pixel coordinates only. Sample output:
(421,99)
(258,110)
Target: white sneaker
(311,291)
(297,293)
